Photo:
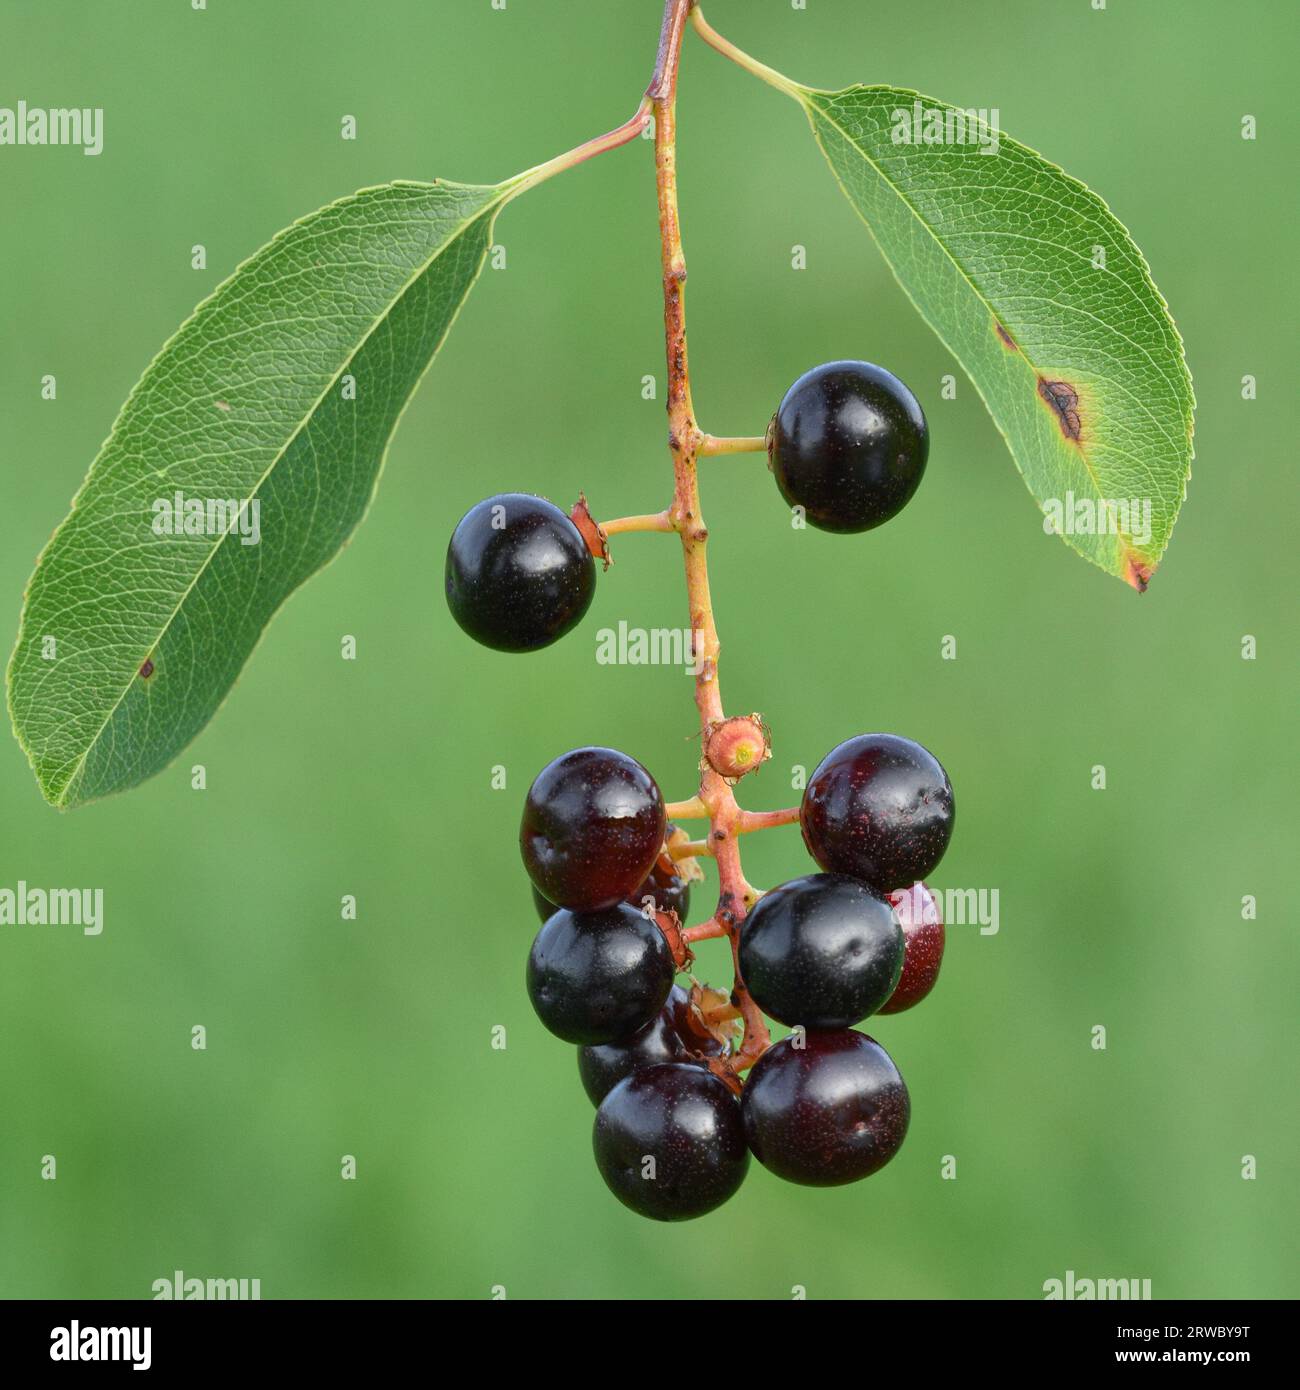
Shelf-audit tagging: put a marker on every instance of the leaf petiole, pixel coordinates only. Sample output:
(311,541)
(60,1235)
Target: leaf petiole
(570,159)
(742,59)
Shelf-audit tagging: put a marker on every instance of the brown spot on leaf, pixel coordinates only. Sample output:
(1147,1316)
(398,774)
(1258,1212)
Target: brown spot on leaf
(222,405)
(1008,341)
(147,669)
(1138,571)
(1064,402)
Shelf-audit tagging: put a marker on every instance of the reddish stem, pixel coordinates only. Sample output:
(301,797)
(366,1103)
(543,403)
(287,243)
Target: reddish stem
(706,931)
(765,820)
(685,440)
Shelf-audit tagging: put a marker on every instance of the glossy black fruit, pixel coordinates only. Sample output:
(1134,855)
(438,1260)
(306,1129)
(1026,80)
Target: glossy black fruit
(669,1142)
(598,977)
(918,915)
(592,829)
(823,951)
(880,808)
(830,1112)
(519,574)
(668,1037)
(848,443)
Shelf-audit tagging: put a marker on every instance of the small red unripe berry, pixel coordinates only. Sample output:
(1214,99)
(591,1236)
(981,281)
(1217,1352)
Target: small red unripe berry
(737,746)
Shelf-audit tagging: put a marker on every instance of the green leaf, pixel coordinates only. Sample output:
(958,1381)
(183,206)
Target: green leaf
(280,395)
(1079,363)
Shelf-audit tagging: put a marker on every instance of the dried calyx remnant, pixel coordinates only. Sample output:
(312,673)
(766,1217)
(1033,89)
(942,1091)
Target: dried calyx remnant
(736,746)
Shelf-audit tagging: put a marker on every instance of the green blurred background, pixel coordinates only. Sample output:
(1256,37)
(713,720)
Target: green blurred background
(373,1038)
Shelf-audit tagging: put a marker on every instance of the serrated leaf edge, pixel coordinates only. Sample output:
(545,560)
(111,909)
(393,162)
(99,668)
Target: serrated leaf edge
(65,799)
(803,95)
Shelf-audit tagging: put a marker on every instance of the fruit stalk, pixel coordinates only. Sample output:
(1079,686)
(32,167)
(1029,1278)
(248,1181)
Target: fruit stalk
(766,820)
(750,444)
(685,442)
(651,521)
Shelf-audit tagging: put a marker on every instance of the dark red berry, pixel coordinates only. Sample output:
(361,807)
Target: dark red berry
(848,444)
(593,827)
(669,891)
(829,1112)
(597,977)
(918,915)
(823,951)
(669,1142)
(669,1037)
(518,574)
(880,808)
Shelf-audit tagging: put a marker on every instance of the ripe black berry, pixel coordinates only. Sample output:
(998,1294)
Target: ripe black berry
(880,808)
(823,951)
(593,827)
(668,1037)
(918,915)
(830,1112)
(519,574)
(669,1142)
(848,443)
(597,977)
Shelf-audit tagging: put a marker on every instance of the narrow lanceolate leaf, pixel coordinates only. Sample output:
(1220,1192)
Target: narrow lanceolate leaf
(240,464)
(1040,293)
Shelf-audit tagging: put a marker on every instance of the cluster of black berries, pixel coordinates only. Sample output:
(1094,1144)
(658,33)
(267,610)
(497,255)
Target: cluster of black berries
(825,1105)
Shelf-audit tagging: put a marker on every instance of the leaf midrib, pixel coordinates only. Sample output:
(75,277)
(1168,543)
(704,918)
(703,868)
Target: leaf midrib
(504,192)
